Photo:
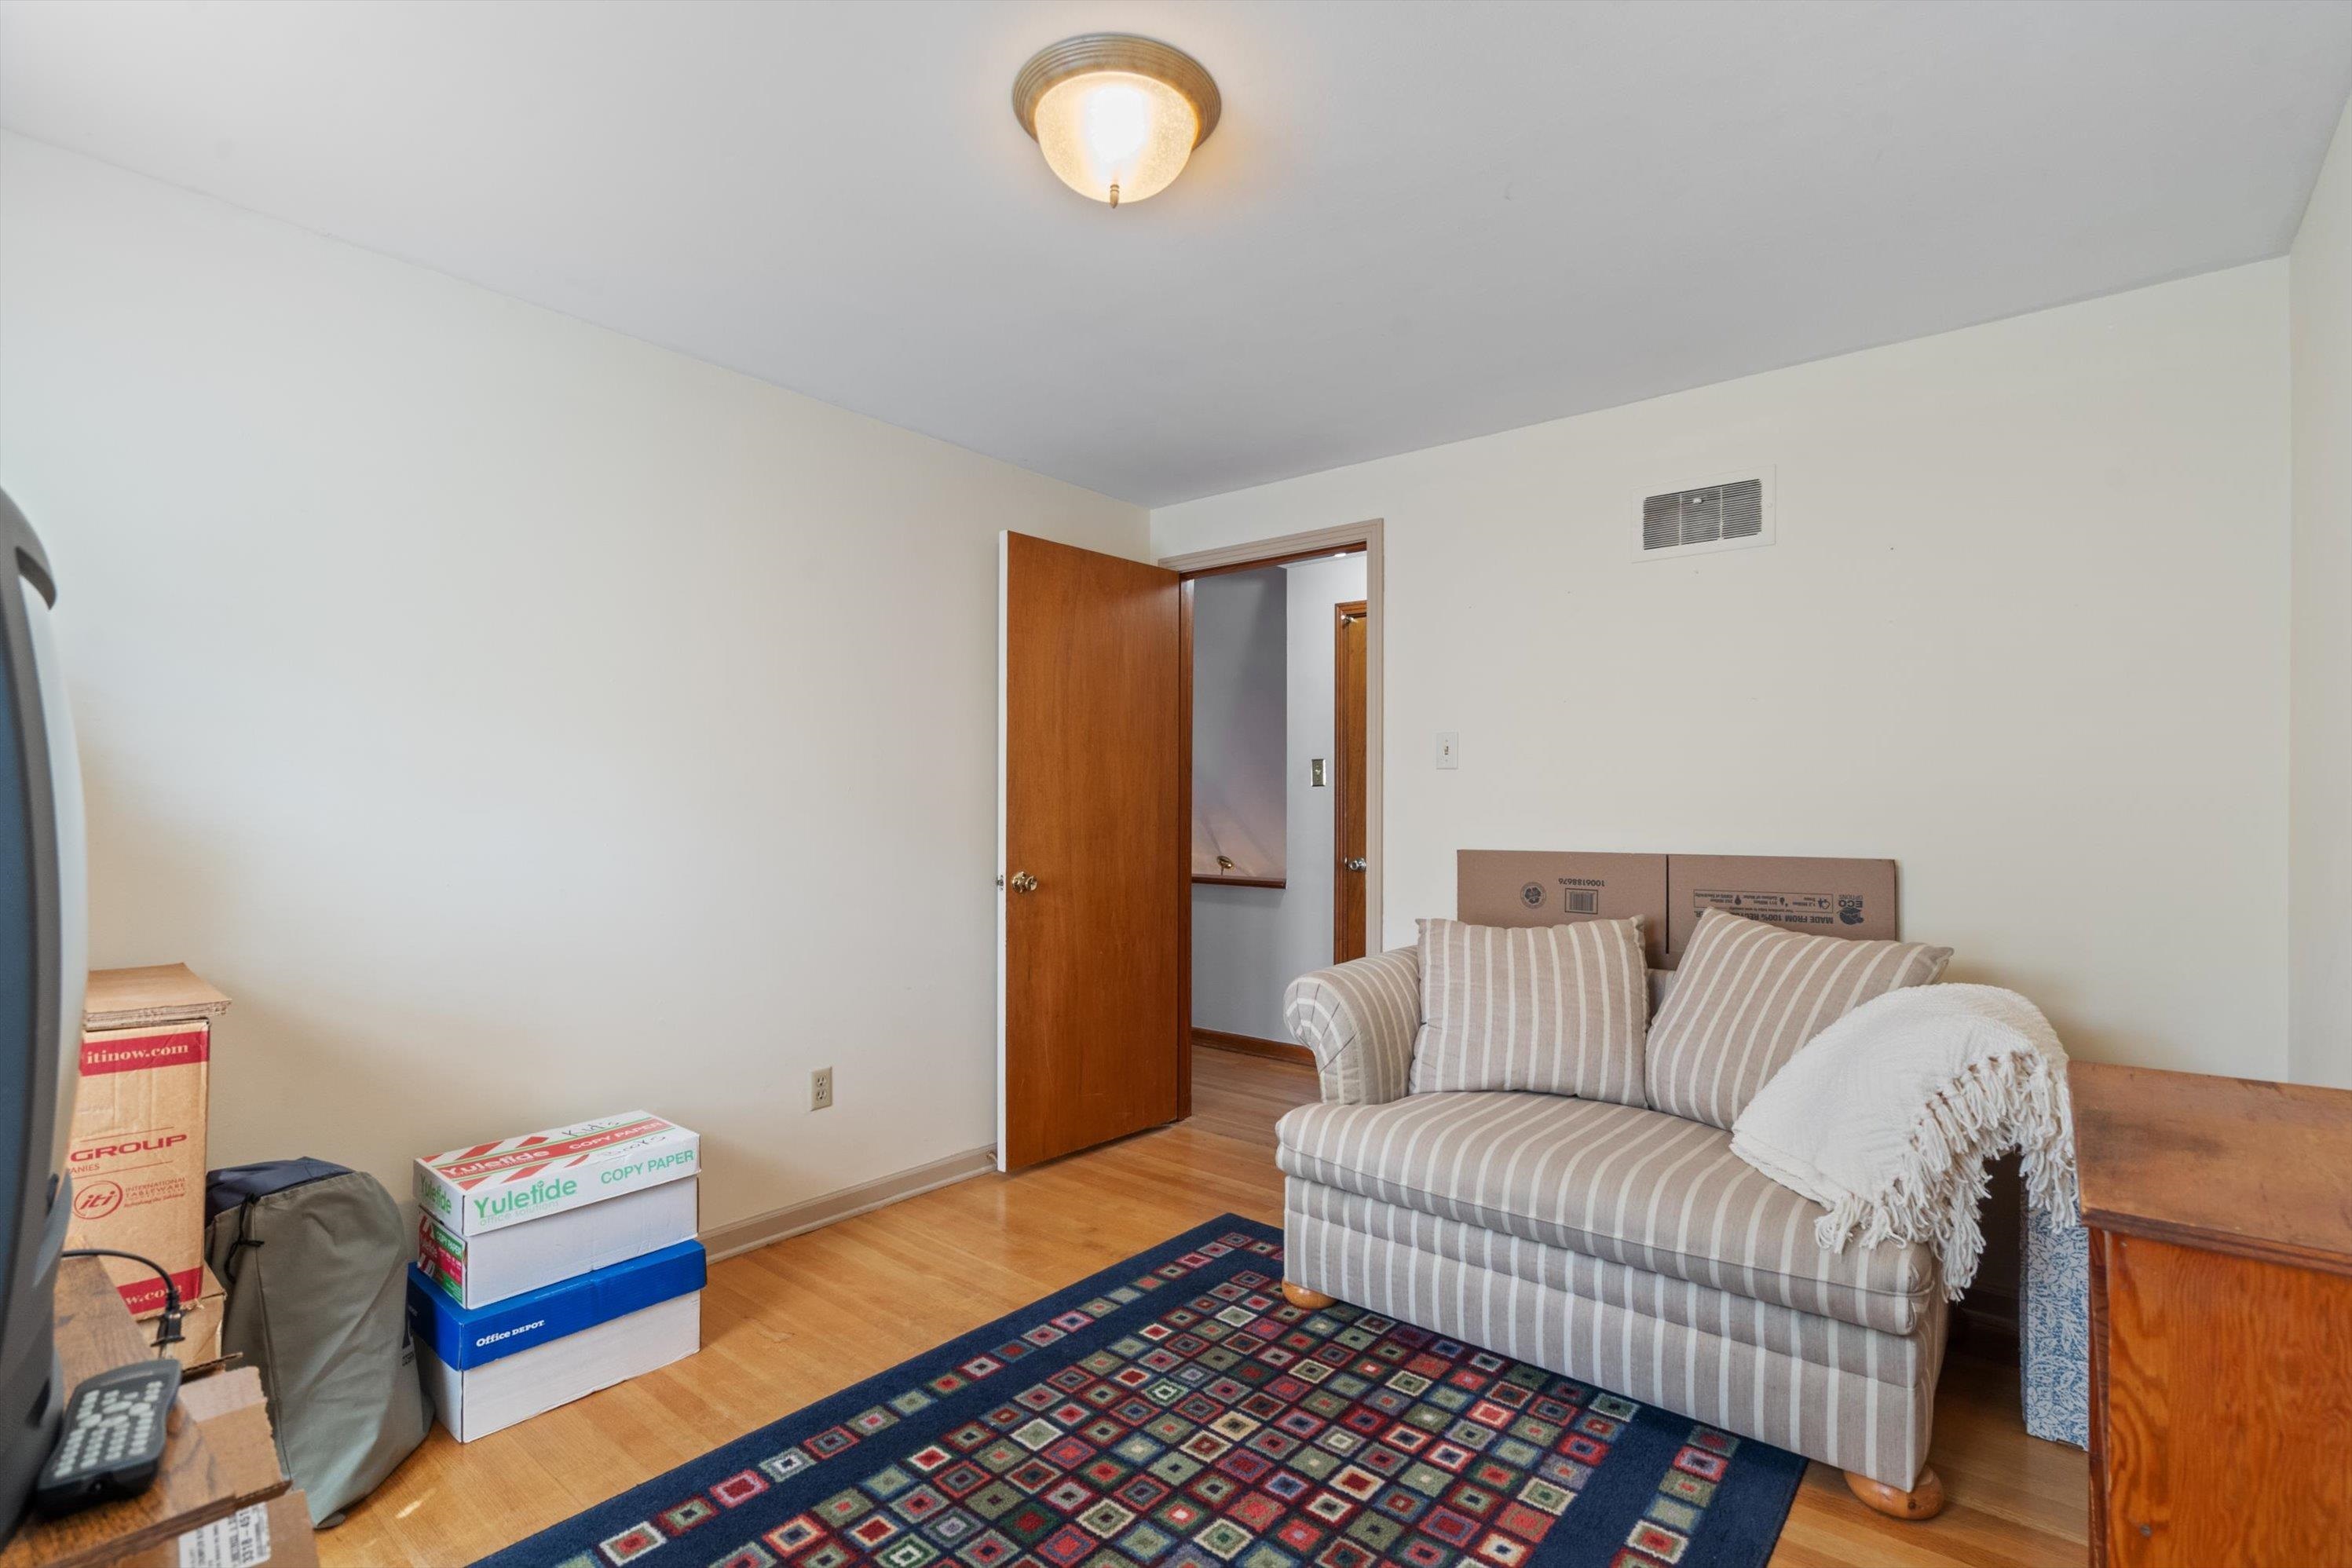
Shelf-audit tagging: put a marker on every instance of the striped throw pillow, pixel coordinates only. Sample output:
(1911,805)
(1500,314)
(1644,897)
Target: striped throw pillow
(1746,998)
(1556,1009)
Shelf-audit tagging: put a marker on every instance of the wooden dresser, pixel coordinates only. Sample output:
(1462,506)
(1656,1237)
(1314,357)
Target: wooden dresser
(2221,1220)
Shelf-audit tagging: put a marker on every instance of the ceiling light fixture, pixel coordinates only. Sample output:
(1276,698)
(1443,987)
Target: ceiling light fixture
(1117,116)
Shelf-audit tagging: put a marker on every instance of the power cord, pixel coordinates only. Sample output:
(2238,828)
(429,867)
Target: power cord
(167,1327)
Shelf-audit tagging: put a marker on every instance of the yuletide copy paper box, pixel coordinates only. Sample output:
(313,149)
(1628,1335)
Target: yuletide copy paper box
(488,1367)
(137,1155)
(488,1186)
(479,1270)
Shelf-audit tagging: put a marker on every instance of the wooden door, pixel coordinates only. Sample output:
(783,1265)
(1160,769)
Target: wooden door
(1094,918)
(1347,836)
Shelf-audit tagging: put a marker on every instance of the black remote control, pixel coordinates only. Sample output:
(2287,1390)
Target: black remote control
(113,1440)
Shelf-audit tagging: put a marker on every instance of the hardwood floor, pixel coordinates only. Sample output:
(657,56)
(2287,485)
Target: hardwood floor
(1240,1097)
(797,1321)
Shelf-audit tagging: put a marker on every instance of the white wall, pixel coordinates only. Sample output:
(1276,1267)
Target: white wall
(2320,866)
(2024,631)
(1239,695)
(1249,944)
(522,721)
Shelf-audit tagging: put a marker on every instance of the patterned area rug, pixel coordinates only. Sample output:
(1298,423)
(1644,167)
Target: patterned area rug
(1175,1412)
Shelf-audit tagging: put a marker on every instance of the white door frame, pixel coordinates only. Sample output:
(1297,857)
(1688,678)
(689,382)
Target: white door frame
(1319,540)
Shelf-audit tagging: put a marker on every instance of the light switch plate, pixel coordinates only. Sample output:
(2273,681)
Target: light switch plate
(1314,772)
(1449,748)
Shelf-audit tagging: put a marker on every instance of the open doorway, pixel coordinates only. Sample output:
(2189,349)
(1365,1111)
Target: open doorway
(1282,763)
(1095,832)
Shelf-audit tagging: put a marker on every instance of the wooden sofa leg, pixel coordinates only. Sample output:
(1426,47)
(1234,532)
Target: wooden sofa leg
(1924,1501)
(1301,1296)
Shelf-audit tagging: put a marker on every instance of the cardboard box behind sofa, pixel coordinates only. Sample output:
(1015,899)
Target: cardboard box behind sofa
(137,1151)
(1824,896)
(1553,887)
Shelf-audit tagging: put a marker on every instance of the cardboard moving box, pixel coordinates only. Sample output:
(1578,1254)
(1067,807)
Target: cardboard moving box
(477,1270)
(136,1152)
(489,1367)
(137,1155)
(158,993)
(488,1187)
(1822,897)
(1551,887)
(1829,897)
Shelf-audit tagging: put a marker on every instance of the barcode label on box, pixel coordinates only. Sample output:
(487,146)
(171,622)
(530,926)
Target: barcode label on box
(1580,900)
(240,1541)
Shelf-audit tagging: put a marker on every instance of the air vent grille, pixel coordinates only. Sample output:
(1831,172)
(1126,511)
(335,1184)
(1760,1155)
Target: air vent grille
(1703,516)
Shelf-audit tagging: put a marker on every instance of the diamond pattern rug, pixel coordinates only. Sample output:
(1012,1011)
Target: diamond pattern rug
(1175,1411)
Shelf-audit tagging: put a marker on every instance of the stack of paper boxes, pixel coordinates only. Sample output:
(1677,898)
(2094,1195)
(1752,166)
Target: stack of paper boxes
(552,1265)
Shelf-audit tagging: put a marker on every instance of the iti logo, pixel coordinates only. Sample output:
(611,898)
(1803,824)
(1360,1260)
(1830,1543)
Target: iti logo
(97,1200)
(1850,908)
(1532,895)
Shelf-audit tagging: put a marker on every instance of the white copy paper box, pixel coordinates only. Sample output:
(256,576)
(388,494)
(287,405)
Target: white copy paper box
(479,1270)
(481,1400)
(488,1186)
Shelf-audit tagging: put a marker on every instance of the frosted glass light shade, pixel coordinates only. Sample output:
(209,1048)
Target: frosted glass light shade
(1117,117)
(1115,136)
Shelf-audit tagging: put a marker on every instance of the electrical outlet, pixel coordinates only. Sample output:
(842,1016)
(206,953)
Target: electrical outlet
(1449,748)
(821,1089)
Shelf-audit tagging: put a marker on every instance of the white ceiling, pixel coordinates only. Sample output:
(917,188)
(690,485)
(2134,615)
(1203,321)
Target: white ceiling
(1417,221)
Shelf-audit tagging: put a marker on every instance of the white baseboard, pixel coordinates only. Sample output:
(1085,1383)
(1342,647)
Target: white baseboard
(866,1197)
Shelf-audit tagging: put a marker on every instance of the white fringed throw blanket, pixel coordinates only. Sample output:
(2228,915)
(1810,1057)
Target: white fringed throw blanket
(1887,1117)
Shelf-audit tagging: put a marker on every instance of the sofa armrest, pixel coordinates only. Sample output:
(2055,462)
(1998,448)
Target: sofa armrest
(1359,1019)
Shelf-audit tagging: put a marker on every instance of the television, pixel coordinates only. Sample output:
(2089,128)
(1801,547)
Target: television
(44,959)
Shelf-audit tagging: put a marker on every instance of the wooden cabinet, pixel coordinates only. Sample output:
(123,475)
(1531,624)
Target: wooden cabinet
(2221,1220)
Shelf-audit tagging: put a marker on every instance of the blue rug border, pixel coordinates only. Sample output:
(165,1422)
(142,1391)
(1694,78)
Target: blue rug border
(1748,1535)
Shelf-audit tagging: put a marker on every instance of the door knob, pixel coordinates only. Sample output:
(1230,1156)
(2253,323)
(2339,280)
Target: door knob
(1024,883)
(1359,863)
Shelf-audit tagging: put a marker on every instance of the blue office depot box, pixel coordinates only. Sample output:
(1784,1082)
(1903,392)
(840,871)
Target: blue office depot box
(491,1367)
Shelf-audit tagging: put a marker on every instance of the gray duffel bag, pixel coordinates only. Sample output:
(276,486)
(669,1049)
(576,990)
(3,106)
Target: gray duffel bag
(313,1259)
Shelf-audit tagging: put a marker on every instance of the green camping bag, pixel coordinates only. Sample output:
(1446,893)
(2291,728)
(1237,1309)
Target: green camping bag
(314,1259)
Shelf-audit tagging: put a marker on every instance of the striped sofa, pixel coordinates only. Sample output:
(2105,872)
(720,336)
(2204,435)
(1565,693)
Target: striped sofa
(1608,1243)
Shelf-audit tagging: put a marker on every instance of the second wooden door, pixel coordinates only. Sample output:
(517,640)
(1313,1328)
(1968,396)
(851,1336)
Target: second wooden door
(1349,836)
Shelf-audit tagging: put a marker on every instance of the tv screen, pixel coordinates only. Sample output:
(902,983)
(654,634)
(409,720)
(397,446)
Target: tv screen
(44,932)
